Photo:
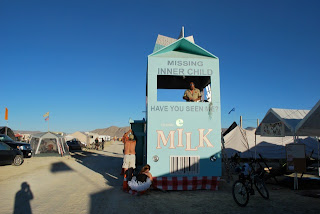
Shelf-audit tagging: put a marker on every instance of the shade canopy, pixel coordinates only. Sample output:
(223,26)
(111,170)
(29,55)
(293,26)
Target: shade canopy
(289,117)
(297,122)
(310,124)
(248,145)
(48,143)
(47,135)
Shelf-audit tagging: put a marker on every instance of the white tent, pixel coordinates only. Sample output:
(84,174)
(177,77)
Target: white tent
(235,141)
(48,143)
(68,137)
(289,117)
(82,137)
(310,125)
(296,123)
(243,141)
(287,122)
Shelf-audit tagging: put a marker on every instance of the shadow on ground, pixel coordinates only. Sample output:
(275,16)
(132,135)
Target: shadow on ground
(108,166)
(108,200)
(60,167)
(22,199)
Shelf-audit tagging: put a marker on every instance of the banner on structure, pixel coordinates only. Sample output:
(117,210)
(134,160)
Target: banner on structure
(273,129)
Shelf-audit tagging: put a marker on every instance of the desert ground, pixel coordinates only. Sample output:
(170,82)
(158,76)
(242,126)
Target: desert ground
(90,182)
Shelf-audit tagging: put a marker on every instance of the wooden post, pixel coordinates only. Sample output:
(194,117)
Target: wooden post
(257,123)
(240,121)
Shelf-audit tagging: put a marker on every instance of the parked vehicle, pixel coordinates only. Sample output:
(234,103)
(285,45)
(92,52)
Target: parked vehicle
(74,144)
(9,155)
(25,148)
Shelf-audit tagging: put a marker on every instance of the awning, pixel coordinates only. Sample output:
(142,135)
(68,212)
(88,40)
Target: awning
(289,117)
(310,125)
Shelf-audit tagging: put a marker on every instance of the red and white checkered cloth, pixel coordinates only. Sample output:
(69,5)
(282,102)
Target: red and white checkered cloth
(186,183)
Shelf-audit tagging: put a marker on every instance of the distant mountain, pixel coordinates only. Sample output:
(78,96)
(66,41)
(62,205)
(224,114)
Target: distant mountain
(112,131)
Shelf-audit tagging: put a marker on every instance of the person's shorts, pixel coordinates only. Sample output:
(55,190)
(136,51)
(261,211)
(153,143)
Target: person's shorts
(129,161)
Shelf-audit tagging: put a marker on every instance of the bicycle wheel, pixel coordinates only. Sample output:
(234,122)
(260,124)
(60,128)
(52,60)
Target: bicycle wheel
(240,193)
(261,187)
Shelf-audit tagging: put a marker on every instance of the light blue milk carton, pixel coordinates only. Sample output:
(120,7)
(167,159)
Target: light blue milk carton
(183,138)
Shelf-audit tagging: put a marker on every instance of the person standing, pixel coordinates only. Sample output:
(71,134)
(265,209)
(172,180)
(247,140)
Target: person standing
(193,94)
(102,144)
(97,143)
(129,158)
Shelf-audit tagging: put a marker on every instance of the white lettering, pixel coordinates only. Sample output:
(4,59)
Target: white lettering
(204,138)
(180,137)
(164,140)
(188,142)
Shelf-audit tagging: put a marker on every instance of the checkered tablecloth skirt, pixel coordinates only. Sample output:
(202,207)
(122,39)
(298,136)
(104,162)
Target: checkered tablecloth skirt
(186,183)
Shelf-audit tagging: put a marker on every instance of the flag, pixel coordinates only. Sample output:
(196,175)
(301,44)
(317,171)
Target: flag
(47,118)
(46,114)
(6,115)
(232,110)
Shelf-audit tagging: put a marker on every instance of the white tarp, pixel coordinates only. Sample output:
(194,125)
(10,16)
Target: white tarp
(310,125)
(243,141)
(236,141)
(289,117)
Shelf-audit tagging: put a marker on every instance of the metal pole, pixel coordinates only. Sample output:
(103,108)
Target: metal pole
(240,121)
(318,157)
(255,146)
(255,141)
(295,180)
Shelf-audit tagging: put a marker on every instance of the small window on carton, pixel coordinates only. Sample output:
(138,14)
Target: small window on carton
(174,88)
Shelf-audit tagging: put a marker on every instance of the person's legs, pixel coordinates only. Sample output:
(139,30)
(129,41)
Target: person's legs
(122,171)
(131,161)
(125,167)
(125,164)
(129,173)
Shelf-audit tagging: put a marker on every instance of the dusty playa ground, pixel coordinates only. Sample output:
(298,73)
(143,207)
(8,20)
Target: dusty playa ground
(89,182)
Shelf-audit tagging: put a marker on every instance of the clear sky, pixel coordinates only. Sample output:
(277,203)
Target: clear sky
(85,61)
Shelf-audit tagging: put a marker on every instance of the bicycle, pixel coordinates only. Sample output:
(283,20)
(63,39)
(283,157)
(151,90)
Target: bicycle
(243,187)
(230,165)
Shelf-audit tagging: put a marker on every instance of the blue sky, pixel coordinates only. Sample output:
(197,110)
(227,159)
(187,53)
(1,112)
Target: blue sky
(86,61)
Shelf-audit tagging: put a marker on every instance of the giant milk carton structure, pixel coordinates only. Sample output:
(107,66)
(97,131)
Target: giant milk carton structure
(183,138)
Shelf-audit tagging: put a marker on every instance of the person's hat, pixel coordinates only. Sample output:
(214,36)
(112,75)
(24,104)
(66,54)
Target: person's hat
(131,137)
